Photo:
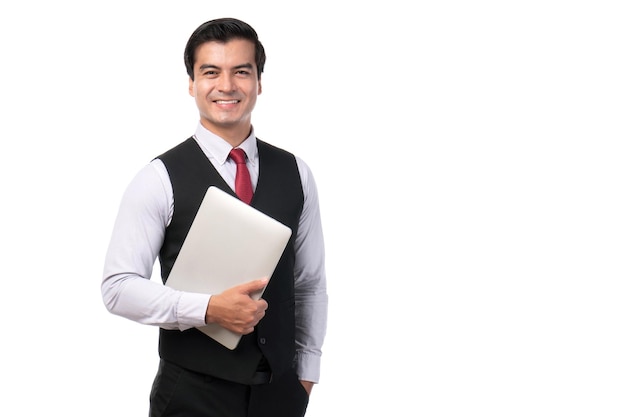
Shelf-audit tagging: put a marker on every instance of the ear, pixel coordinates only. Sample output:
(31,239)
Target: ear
(191,93)
(260,88)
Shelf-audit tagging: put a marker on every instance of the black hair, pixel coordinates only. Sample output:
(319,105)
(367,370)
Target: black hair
(223,30)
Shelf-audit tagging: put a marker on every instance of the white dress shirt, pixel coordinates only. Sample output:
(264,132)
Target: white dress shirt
(144,214)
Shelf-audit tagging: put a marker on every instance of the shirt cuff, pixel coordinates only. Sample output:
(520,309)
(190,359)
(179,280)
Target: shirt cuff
(308,366)
(192,310)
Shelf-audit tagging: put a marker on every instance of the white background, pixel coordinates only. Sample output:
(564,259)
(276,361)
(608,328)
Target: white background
(475,267)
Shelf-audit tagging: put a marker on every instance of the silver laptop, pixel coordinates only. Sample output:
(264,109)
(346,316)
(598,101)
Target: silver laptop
(229,243)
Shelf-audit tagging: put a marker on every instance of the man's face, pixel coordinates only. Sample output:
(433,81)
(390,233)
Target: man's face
(226,86)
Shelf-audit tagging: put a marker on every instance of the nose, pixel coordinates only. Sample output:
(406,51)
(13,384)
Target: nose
(226,83)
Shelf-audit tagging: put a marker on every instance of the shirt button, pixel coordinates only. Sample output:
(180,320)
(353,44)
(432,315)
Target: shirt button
(262,340)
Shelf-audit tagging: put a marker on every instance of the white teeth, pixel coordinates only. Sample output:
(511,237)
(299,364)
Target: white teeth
(226,101)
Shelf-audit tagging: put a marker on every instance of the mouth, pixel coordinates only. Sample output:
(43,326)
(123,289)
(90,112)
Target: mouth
(225,101)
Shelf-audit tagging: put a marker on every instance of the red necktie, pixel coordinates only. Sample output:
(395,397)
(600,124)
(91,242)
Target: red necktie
(243,185)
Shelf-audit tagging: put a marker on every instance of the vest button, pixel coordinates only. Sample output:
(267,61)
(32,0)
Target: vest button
(262,340)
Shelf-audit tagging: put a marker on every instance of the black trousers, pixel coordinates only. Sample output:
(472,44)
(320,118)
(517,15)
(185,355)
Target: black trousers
(178,392)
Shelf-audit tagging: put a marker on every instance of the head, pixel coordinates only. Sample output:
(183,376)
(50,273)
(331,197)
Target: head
(224,61)
(223,30)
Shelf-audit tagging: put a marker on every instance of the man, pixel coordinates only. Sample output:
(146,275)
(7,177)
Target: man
(274,367)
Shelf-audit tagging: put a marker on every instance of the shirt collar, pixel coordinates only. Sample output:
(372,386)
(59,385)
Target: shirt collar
(218,149)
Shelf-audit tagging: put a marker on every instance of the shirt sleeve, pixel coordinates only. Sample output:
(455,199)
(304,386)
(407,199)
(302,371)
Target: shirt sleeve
(310,282)
(138,232)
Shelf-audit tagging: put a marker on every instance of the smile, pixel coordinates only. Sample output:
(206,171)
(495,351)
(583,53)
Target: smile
(226,101)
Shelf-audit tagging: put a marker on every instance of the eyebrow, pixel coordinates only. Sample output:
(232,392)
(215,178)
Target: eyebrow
(237,67)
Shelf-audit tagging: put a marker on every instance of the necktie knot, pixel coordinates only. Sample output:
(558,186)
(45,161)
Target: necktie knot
(243,184)
(238,155)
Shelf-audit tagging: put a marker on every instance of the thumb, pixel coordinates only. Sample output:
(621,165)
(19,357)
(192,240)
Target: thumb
(253,286)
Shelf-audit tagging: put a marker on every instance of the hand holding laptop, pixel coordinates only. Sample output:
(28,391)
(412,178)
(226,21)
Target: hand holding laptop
(235,309)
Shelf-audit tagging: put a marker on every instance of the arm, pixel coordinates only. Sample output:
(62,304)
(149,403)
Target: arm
(127,289)
(310,285)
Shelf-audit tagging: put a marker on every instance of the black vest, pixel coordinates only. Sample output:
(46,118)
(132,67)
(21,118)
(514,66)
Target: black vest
(278,194)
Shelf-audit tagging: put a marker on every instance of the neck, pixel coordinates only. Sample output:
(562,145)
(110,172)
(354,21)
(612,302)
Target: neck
(234,135)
